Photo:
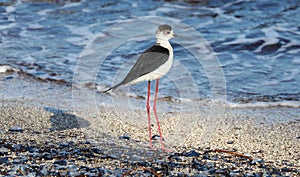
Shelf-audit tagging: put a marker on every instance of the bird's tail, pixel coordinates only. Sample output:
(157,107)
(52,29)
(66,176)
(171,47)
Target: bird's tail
(107,90)
(112,88)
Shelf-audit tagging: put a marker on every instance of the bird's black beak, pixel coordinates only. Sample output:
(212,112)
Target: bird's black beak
(175,35)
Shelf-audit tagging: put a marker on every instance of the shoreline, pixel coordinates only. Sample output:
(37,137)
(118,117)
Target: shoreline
(123,137)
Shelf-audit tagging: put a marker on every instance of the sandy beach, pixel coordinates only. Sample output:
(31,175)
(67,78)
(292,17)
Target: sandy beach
(118,143)
(228,107)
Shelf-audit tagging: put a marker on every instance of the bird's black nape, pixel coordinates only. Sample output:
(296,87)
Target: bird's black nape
(164,27)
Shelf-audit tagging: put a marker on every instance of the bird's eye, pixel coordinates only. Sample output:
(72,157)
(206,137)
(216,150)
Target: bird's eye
(168,32)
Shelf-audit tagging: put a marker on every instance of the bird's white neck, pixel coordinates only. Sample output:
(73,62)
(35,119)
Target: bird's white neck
(164,43)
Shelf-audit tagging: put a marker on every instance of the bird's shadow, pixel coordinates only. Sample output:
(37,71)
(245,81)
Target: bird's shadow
(61,120)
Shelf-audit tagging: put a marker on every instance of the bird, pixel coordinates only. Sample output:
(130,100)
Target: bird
(153,63)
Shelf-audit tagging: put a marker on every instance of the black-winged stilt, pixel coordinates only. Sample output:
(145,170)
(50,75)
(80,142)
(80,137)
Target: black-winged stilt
(154,63)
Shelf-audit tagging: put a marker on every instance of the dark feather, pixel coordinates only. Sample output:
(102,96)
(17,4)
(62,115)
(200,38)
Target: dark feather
(149,61)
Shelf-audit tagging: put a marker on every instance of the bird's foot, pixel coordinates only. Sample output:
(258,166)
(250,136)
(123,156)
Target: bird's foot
(166,150)
(153,148)
(160,149)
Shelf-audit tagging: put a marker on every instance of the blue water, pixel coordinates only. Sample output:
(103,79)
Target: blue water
(257,44)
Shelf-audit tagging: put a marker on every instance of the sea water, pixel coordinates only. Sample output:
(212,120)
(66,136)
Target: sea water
(255,43)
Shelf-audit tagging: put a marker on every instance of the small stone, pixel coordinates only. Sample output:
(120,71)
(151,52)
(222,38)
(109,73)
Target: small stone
(72,143)
(9,77)
(230,142)
(4,160)
(155,137)
(47,156)
(35,154)
(191,153)
(125,137)
(31,175)
(90,174)
(61,162)
(248,168)
(17,147)
(221,172)
(81,159)
(64,144)
(32,149)
(96,150)
(16,129)
(60,167)
(16,161)
(72,167)
(285,169)
(63,153)
(259,173)
(257,161)
(3,151)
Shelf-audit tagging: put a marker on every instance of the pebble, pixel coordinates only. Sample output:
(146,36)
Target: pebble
(125,137)
(178,164)
(46,156)
(155,137)
(4,160)
(16,129)
(97,150)
(230,142)
(257,161)
(64,144)
(3,151)
(61,162)
(16,161)
(191,153)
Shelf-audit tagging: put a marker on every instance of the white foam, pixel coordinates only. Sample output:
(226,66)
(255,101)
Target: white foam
(10,9)
(234,73)
(35,26)
(73,4)
(82,31)
(291,30)
(160,9)
(44,12)
(294,104)
(271,82)
(271,37)
(294,51)
(85,30)
(6,68)
(291,74)
(296,60)
(241,39)
(291,44)
(236,2)
(29,59)
(248,65)
(86,10)
(221,14)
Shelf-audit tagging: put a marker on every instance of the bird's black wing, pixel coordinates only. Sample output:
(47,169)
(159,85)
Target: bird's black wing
(149,60)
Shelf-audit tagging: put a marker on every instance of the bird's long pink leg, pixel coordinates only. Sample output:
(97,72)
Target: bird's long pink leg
(155,113)
(148,111)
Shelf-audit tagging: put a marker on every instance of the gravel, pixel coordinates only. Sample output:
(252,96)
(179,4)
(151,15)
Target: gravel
(101,143)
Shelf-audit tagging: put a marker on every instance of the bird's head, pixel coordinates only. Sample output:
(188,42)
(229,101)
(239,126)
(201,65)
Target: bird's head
(164,32)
